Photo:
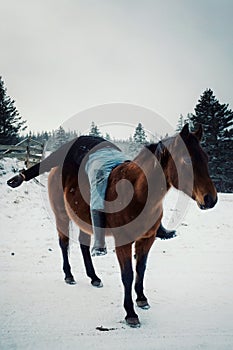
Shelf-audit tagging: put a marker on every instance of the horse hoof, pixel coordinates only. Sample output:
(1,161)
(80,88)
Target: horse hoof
(97,284)
(133,322)
(143,304)
(70,280)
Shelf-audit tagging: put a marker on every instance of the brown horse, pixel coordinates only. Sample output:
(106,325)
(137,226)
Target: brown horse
(133,203)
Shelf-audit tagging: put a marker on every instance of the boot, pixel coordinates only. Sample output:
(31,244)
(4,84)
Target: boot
(98,224)
(163,233)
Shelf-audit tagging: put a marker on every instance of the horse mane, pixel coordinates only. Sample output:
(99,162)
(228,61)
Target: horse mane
(161,149)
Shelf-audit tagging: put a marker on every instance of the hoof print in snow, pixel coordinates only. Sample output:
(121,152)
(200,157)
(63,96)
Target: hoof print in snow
(184,224)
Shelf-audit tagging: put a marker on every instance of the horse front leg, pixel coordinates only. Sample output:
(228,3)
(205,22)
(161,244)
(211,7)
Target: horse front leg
(142,248)
(124,255)
(85,241)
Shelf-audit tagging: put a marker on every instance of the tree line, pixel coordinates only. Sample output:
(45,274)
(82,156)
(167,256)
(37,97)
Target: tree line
(216,118)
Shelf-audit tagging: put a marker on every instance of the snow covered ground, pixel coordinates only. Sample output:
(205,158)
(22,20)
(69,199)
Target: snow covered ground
(189,283)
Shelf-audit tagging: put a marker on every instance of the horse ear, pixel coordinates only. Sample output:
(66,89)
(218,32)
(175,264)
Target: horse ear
(185,131)
(199,132)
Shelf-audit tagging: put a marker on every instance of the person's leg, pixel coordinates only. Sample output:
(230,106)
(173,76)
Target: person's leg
(98,224)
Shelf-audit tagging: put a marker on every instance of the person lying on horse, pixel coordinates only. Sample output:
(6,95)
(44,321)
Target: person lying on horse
(100,157)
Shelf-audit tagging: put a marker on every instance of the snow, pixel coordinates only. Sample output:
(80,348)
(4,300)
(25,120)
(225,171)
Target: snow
(189,282)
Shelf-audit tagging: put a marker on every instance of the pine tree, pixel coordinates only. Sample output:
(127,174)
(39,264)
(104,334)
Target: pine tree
(60,137)
(139,135)
(10,121)
(216,118)
(217,121)
(182,121)
(94,131)
(72,134)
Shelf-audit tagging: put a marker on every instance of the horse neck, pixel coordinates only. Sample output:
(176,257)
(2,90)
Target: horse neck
(156,162)
(152,170)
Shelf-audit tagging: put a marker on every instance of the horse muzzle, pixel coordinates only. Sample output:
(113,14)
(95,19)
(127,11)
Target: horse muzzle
(209,202)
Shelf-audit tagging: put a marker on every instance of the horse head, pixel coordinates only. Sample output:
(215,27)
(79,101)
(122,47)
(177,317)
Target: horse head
(188,168)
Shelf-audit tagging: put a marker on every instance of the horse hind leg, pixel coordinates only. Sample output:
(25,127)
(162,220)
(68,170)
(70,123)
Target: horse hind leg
(62,222)
(56,198)
(85,241)
(142,248)
(124,255)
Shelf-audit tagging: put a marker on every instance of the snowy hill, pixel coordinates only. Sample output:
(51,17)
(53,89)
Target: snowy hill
(189,281)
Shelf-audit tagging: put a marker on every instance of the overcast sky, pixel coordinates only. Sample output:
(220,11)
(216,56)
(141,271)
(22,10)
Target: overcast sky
(60,57)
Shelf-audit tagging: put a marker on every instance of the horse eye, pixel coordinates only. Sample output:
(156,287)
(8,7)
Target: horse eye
(187,160)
